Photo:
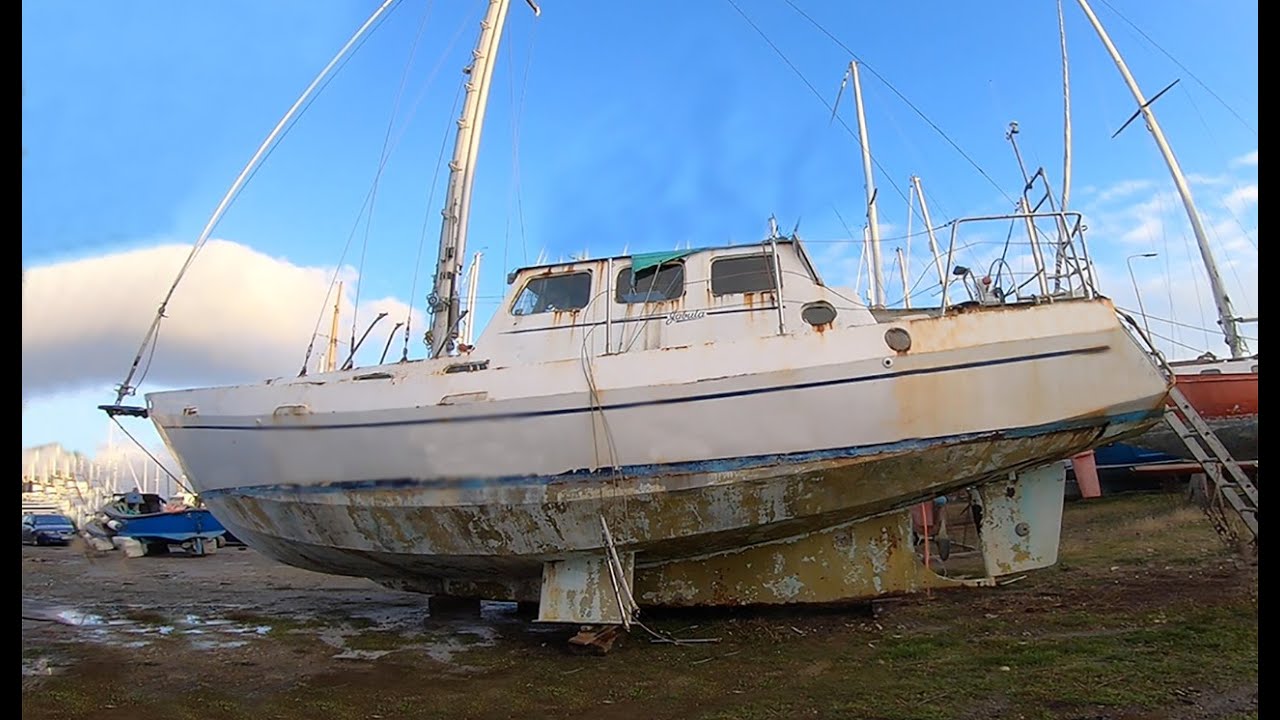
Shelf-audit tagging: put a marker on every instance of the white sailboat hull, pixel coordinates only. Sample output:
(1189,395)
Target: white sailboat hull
(682,450)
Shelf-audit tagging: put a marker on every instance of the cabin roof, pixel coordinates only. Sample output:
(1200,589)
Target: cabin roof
(676,253)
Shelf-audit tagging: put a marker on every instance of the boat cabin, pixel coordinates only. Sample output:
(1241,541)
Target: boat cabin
(665,300)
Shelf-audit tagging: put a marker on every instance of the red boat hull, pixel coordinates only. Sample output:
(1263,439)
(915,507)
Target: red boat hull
(1228,395)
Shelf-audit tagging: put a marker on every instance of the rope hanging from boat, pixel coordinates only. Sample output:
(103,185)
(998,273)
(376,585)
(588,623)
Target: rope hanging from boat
(126,388)
(628,609)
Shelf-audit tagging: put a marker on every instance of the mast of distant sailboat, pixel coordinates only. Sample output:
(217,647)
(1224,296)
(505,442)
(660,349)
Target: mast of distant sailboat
(1226,313)
(876,274)
(473,281)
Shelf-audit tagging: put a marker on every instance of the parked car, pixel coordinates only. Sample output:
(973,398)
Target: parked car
(47,529)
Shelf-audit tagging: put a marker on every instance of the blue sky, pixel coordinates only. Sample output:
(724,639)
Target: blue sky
(642,125)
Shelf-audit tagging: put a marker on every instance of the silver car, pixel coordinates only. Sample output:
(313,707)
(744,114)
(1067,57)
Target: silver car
(47,529)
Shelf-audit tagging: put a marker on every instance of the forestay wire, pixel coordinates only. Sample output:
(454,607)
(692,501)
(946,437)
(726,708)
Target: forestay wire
(126,387)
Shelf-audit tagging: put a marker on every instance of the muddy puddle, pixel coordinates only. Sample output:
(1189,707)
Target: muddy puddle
(364,633)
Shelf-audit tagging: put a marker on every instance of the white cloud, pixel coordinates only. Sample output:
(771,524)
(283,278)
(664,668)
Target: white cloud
(1249,159)
(1241,198)
(1174,286)
(1143,222)
(1123,189)
(1143,230)
(1207,180)
(239,315)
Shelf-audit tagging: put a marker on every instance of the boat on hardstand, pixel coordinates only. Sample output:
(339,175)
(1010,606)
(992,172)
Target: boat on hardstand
(157,524)
(1223,392)
(705,426)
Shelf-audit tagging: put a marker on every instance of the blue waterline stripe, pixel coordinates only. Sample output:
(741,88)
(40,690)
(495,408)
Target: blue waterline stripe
(698,466)
(661,401)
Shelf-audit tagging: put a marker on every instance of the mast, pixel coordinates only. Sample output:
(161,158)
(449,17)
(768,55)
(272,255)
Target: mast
(445,305)
(1226,314)
(331,359)
(1066,112)
(873,224)
(906,289)
(473,279)
(928,229)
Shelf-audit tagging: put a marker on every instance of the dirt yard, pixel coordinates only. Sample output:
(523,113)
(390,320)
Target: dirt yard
(1146,616)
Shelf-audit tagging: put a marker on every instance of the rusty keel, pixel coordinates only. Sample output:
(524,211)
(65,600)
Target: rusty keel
(855,561)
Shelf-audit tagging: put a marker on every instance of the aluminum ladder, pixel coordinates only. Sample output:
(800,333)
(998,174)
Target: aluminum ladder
(1227,480)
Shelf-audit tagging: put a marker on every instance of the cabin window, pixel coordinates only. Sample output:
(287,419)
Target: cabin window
(743,274)
(1211,371)
(554,293)
(652,284)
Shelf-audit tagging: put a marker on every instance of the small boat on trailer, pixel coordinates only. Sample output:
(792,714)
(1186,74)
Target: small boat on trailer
(146,518)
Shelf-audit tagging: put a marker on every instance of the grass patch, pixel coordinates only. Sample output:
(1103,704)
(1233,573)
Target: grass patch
(1078,640)
(146,617)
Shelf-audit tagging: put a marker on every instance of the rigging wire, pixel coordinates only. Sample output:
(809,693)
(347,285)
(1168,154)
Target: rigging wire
(1195,282)
(1167,321)
(1212,138)
(516,118)
(149,454)
(1212,228)
(333,281)
(902,97)
(1168,273)
(150,356)
(878,165)
(857,283)
(435,180)
(1184,68)
(384,156)
(817,94)
(299,107)
(1175,342)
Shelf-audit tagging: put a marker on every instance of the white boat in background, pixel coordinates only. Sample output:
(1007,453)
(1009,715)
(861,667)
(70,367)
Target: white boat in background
(710,426)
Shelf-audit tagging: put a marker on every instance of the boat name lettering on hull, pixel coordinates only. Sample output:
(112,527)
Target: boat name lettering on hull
(685,316)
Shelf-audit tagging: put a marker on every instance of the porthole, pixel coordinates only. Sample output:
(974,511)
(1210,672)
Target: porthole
(897,339)
(818,313)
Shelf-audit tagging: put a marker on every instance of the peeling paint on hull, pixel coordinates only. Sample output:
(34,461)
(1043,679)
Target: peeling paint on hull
(714,446)
(412,533)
